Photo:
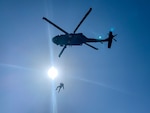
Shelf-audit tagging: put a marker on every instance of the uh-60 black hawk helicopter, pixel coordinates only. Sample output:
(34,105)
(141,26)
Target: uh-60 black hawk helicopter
(70,39)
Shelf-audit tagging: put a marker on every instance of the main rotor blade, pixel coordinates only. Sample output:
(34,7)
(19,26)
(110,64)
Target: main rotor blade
(91,46)
(82,19)
(62,50)
(55,25)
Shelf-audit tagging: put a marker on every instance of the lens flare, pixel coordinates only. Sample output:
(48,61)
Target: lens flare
(112,29)
(52,73)
(100,37)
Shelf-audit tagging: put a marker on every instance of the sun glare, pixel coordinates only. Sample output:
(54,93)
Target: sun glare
(52,73)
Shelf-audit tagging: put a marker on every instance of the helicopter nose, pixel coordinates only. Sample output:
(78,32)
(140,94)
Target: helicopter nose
(54,39)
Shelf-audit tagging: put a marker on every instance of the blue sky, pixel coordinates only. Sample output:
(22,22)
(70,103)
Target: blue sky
(112,80)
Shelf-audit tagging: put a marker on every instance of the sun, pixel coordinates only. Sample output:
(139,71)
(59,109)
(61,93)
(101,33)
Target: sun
(52,73)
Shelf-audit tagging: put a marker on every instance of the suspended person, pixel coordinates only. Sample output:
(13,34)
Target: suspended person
(60,87)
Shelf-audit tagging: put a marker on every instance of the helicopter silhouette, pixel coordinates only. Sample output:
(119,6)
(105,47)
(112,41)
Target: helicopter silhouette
(72,39)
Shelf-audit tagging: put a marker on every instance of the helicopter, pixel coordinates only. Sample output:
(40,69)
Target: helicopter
(72,39)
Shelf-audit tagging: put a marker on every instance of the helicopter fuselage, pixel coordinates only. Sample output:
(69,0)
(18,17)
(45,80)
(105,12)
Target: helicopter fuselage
(72,39)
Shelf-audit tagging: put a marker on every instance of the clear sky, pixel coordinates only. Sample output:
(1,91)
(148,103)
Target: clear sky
(115,80)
